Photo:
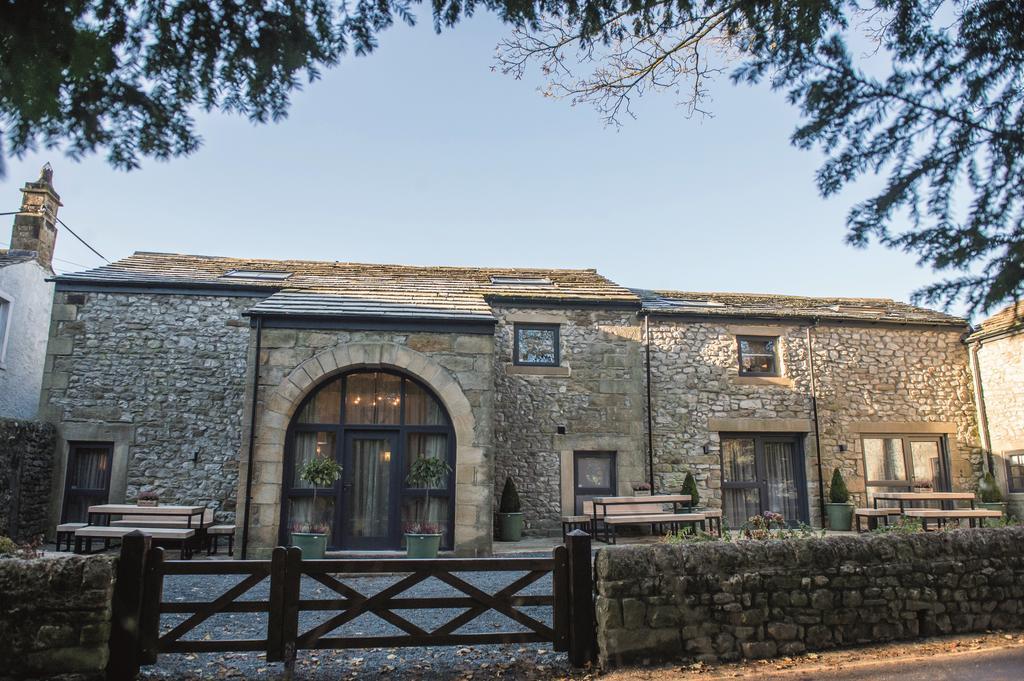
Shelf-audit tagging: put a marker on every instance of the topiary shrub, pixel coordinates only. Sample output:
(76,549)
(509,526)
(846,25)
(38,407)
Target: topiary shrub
(988,490)
(690,487)
(837,492)
(510,498)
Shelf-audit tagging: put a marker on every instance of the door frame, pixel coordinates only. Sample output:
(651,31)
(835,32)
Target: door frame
(593,491)
(760,470)
(72,454)
(346,542)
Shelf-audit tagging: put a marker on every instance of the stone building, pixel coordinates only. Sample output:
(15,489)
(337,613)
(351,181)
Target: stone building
(997,354)
(25,295)
(211,379)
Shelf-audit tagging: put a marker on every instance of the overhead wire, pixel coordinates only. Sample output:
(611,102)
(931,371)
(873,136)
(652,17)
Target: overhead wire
(71,231)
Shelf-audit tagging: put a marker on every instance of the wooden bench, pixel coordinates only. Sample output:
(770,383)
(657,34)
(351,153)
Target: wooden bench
(673,520)
(576,522)
(65,533)
(213,535)
(872,515)
(180,535)
(972,515)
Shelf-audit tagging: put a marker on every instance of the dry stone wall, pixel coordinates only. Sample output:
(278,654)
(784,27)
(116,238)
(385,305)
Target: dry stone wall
(724,601)
(26,462)
(172,368)
(55,617)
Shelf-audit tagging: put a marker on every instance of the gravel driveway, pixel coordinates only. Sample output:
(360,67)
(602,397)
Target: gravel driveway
(496,661)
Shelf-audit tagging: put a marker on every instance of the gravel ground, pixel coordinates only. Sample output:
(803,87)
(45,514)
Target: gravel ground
(498,661)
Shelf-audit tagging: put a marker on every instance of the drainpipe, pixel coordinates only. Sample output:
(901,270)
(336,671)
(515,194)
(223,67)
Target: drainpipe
(979,403)
(650,416)
(252,437)
(817,428)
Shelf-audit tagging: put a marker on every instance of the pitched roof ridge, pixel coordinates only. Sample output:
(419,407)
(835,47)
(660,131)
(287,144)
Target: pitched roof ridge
(775,295)
(470,268)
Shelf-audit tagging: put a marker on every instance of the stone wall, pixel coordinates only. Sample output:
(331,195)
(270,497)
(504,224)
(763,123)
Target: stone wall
(55,617)
(875,379)
(598,395)
(1001,367)
(721,601)
(26,462)
(163,377)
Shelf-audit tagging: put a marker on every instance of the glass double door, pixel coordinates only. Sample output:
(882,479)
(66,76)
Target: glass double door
(371,482)
(763,473)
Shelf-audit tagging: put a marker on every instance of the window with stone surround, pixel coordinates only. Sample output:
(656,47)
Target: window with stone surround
(1015,471)
(758,355)
(899,463)
(536,345)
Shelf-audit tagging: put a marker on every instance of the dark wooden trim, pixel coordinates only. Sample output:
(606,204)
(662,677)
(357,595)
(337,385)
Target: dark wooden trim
(561,598)
(152,595)
(165,288)
(761,339)
(275,623)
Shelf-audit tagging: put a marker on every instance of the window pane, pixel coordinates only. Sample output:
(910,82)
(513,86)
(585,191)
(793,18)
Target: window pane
(757,355)
(308,445)
(738,460)
(927,466)
(751,346)
(372,397)
(301,517)
(413,512)
(325,407)
(422,445)
(421,409)
(594,472)
(740,505)
(1015,472)
(781,479)
(89,468)
(366,503)
(884,459)
(536,346)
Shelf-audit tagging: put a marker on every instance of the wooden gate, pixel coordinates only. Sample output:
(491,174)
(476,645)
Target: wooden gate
(136,637)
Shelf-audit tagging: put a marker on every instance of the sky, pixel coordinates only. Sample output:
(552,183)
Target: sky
(422,154)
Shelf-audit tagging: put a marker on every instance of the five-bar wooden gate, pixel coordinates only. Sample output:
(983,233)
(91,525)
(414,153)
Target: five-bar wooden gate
(136,637)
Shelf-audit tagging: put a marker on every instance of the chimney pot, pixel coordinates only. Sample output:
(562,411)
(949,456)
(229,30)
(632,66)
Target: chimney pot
(35,226)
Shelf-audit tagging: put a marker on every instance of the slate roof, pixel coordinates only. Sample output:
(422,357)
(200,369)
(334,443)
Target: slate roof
(768,306)
(1009,320)
(317,288)
(14,257)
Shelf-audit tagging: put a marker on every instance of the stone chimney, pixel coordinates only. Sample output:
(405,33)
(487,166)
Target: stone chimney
(35,227)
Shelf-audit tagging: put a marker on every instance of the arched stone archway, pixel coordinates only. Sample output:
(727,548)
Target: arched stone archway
(473,474)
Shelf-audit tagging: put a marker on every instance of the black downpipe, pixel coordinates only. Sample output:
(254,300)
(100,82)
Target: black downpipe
(252,437)
(817,429)
(650,415)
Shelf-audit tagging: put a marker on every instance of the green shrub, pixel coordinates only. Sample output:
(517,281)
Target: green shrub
(988,490)
(320,471)
(690,487)
(510,498)
(7,546)
(837,492)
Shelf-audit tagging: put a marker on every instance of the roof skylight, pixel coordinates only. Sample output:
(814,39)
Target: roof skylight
(261,275)
(520,281)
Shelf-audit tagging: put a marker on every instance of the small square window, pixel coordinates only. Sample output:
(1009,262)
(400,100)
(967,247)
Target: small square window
(1015,471)
(536,345)
(757,356)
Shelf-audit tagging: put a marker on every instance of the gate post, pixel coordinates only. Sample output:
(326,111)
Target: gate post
(275,616)
(126,607)
(561,593)
(582,636)
(290,607)
(149,617)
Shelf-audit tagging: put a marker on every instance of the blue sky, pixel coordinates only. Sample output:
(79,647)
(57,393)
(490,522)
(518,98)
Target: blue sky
(420,154)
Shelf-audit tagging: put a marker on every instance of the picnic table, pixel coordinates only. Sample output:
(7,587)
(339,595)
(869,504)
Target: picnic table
(104,511)
(922,497)
(607,512)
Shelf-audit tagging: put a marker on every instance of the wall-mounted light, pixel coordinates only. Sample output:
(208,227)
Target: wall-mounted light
(706,448)
(386,455)
(841,448)
(561,430)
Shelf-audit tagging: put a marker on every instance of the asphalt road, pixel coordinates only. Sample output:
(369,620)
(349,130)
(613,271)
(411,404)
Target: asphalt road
(1002,664)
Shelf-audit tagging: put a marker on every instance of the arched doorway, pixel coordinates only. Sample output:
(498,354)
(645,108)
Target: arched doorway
(375,423)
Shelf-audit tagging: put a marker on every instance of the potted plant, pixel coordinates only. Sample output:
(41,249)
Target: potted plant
(991,496)
(311,537)
(510,513)
(641,489)
(839,510)
(690,487)
(148,498)
(423,538)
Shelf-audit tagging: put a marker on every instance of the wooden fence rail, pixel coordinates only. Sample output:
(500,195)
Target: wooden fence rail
(136,638)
